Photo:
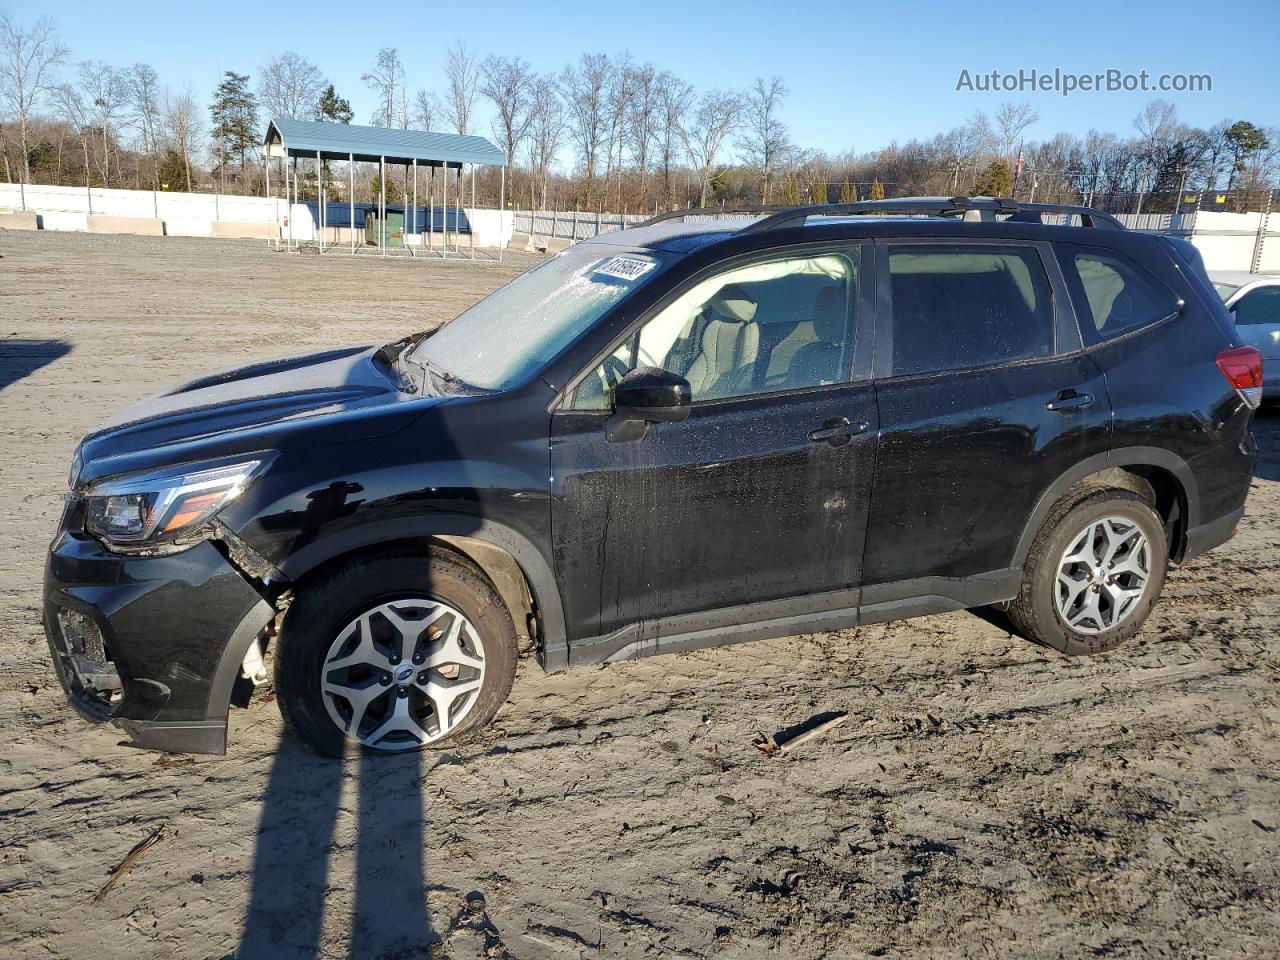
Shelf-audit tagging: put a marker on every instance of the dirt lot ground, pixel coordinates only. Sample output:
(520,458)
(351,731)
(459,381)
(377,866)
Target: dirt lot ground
(985,799)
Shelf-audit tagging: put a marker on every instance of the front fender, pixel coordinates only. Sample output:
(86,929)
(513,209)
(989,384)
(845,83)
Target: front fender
(535,567)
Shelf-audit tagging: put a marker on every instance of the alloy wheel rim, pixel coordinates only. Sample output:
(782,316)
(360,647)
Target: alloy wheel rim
(402,674)
(1102,575)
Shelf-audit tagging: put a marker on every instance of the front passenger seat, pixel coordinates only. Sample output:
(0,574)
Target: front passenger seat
(726,357)
(818,362)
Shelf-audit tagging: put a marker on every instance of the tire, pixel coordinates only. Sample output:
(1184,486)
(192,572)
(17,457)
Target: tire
(363,612)
(1037,612)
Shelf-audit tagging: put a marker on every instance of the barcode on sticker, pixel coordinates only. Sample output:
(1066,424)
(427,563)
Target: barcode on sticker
(624,268)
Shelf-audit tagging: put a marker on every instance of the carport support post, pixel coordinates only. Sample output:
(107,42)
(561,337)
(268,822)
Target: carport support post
(320,217)
(382,205)
(415,198)
(471,227)
(288,205)
(502,213)
(444,187)
(267,169)
(351,199)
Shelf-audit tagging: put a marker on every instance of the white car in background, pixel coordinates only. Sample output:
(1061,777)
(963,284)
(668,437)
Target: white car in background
(1254,302)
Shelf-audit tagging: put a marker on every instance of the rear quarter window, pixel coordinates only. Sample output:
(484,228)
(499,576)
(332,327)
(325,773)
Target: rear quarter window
(1112,295)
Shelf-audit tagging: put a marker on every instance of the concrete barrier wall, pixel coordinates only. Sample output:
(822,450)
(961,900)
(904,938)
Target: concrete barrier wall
(143,226)
(18,220)
(1227,241)
(194,214)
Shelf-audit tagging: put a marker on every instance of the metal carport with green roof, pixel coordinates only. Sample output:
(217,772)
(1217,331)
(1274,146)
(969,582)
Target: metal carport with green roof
(320,142)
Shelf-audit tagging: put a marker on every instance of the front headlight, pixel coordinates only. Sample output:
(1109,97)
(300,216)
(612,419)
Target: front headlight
(161,505)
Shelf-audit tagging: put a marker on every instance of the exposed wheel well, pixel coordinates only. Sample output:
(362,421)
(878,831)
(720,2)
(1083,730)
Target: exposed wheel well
(1159,487)
(495,563)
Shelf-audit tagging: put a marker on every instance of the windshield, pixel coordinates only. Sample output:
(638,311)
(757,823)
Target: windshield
(508,336)
(1225,290)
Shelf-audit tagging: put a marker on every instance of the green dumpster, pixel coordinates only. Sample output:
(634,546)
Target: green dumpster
(395,228)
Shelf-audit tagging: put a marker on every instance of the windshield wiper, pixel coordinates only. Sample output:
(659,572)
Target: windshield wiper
(405,357)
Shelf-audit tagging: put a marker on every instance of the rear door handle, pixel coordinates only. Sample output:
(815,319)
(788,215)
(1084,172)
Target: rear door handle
(838,431)
(1069,400)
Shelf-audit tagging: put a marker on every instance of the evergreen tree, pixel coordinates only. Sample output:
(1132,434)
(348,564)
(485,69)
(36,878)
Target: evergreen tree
(877,190)
(173,171)
(791,191)
(848,192)
(1243,139)
(332,108)
(234,112)
(994,181)
(394,193)
(818,192)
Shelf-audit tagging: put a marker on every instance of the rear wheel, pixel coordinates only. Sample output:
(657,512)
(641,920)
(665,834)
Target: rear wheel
(1094,573)
(394,653)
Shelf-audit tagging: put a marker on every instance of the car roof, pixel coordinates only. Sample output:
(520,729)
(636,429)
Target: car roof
(683,237)
(1238,278)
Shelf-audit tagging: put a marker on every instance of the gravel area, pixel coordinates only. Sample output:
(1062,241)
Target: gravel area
(986,798)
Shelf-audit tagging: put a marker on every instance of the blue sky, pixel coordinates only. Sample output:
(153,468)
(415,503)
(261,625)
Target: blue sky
(860,75)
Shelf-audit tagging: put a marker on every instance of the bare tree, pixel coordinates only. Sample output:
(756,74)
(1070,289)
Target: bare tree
(103,88)
(74,111)
(508,83)
(766,141)
(28,59)
(463,81)
(546,133)
(387,81)
(142,89)
(289,86)
(182,118)
(640,121)
(1156,121)
(718,114)
(426,108)
(583,88)
(618,96)
(1012,120)
(675,97)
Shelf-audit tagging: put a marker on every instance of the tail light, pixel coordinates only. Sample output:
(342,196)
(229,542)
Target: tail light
(1242,366)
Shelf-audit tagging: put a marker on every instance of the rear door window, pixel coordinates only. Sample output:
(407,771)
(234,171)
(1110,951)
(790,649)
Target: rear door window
(1112,296)
(957,306)
(1258,306)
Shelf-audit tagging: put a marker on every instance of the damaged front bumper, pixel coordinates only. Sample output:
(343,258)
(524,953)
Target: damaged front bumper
(153,644)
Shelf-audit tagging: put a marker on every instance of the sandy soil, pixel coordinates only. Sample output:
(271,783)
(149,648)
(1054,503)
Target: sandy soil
(985,798)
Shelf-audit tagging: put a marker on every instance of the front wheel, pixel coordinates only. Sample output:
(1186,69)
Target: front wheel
(1093,574)
(394,653)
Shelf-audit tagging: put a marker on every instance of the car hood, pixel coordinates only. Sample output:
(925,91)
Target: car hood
(257,407)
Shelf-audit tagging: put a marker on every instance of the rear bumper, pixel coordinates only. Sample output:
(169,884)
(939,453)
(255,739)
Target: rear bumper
(151,644)
(1205,537)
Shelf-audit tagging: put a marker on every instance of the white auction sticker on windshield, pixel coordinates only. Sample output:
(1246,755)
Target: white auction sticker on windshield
(624,268)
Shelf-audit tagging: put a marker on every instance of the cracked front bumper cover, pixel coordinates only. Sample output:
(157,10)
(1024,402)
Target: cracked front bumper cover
(174,629)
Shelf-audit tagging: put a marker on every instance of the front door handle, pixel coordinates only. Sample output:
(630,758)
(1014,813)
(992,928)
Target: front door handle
(838,431)
(1069,400)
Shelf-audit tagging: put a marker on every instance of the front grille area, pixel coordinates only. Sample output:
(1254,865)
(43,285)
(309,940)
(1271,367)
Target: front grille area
(83,662)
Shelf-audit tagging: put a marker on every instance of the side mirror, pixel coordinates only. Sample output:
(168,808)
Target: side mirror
(647,395)
(651,394)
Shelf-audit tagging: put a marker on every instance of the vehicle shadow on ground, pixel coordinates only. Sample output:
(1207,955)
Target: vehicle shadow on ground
(21,358)
(296,839)
(1266,430)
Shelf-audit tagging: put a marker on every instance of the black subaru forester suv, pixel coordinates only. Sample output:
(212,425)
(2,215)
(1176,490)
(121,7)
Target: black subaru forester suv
(687,434)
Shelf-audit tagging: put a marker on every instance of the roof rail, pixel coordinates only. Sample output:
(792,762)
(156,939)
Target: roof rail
(987,208)
(748,210)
